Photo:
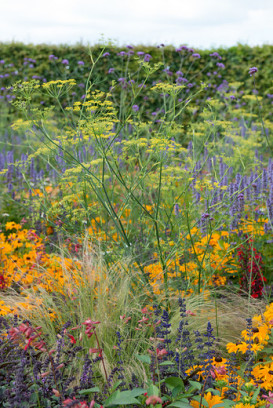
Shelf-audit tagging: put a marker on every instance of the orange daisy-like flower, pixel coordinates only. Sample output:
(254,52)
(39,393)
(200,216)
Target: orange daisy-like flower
(211,400)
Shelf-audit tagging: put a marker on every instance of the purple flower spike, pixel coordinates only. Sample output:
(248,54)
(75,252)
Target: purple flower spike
(135,108)
(147,57)
(140,53)
(111,70)
(216,55)
(252,71)
(65,62)
(80,63)
(106,54)
(2,62)
(196,55)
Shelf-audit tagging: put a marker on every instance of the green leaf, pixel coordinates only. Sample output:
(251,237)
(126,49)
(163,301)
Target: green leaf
(135,392)
(89,390)
(195,384)
(228,403)
(255,395)
(115,386)
(180,404)
(144,358)
(153,390)
(213,391)
(176,391)
(112,397)
(164,363)
(198,399)
(122,398)
(173,382)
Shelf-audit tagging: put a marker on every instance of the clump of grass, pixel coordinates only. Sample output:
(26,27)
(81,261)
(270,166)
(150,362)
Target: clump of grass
(226,310)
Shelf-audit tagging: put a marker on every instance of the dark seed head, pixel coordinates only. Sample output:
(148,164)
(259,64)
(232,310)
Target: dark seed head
(255,330)
(218,359)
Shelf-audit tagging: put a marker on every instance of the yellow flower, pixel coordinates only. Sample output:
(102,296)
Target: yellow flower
(211,401)
(232,348)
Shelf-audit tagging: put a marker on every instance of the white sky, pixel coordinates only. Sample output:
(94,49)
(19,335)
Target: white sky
(198,23)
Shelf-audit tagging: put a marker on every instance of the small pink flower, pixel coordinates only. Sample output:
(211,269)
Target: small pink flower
(56,392)
(95,350)
(45,374)
(143,320)
(161,353)
(190,313)
(153,399)
(212,373)
(269,397)
(126,319)
(221,370)
(72,338)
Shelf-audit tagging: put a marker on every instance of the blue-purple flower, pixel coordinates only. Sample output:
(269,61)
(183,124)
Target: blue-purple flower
(216,55)
(252,71)
(147,57)
(135,108)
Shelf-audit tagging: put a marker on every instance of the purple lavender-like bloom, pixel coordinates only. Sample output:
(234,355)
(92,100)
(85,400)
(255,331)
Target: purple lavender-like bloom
(121,53)
(179,80)
(111,70)
(196,55)
(2,61)
(52,57)
(106,54)
(80,63)
(220,65)
(135,108)
(216,55)
(140,53)
(252,71)
(147,57)
(65,61)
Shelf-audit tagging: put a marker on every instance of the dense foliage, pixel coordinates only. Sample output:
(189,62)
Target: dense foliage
(134,182)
